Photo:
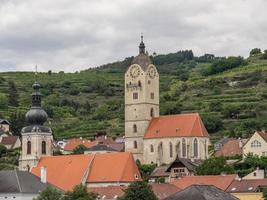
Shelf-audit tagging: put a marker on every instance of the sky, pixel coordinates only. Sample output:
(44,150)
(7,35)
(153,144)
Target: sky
(72,35)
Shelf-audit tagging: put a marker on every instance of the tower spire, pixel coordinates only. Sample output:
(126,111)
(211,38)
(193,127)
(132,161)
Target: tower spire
(142,45)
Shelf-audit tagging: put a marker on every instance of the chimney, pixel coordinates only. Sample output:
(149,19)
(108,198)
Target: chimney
(43,174)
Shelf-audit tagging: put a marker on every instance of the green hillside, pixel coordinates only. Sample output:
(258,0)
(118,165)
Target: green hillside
(230,94)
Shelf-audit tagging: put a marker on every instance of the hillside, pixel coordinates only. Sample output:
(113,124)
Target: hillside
(229,93)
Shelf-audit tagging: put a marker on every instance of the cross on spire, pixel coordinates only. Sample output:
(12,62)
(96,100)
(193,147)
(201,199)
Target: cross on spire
(35,74)
(142,45)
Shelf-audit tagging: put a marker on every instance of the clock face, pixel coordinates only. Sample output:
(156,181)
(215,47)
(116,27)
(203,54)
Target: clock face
(135,71)
(152,72)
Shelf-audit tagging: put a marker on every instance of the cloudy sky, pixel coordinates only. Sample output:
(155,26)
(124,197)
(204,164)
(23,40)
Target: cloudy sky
(72,35)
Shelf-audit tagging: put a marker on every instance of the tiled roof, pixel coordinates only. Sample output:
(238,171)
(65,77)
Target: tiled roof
(160,172)
(69,170)
(20,182)
(201,192)
(251,185)
(73,143)
(9,140)
(64,171)
(263,134)
(164,190)
(231,148)
(220,181)
(183,125)
(100,147)
(4,121)
(190,165)
(113,167)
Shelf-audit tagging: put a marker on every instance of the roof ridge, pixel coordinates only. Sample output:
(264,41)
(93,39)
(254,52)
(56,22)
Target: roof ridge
(181,114)
(90,164)
(193,126)
(18,180)
(125,166)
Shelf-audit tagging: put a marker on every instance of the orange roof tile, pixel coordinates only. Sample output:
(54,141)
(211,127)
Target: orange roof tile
(230,148)
(164,190)
(113,167)
(64,171)
(73,143)
(221,181)
(109,192)
(183,125)
(251,185)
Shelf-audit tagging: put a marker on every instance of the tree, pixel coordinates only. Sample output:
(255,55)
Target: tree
(12,94)
(145,170)
(3,101)
(212,123)
(255,51)
(80,193)
(17,122)
(49,193)
(264,55)
(3,150)
(214,166)
(79,149)
(139,191)
(264,191)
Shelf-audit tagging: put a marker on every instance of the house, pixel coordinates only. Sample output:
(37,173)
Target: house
(178,168)
(256,145)
(11,142)
(220,181)
(4,125)
(247,189)
(256,174)
(75,142)
(161,190)
(100,148)
(230,147)
(20,185)
(93,170)
(150,137)
(201,192)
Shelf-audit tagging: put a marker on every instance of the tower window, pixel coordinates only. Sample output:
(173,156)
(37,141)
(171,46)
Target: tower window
(151,148)
(139,84)
(151,112)
(151,95)
(148,82)
(134,128)
(135,95)
(135,145)
(29,147)
(43,147)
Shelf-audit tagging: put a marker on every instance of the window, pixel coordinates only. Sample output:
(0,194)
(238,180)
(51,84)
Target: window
(139,84)
(43,147)
(135,145)
(151,112)
(135,95)
(255,144)
(183,148)
(170,150)
(134,128)
(195,148)
(148,82)
(151,95)
(178,170)
(151,148)
(29,147)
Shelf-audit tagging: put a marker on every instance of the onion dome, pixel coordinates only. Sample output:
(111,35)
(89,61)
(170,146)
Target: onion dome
(36,115)
(143,60)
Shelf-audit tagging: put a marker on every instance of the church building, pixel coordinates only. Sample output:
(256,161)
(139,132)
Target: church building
(37,139)
(150,137)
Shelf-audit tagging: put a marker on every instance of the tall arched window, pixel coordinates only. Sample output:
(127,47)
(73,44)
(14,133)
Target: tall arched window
(151,112)
(134,128)
(178,150)
(151,148)
(183,148)
(139,84)
(171,153)
(29,147)
(195,148)
(135,144)
(43,147)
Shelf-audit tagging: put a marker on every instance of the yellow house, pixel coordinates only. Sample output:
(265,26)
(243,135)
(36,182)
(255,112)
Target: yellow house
(256,145)
(249,196)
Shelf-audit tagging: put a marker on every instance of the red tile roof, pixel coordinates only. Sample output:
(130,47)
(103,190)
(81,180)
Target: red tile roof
(221,181)
(183,125)
(160,172)
(114,167)
(230,148)
(246,185)
(164,190)
(73,143)
(263,134)
(9,140)
(69,170)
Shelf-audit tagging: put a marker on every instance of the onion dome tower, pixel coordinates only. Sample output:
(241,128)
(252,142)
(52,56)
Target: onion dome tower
(37,139)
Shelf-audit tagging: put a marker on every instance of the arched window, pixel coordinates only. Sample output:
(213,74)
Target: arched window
(135,144)
(183,148)
(171,154)
(134,128)
(151,112)
(43,147)
(195,148)
(139,84)
(178,150)
(29,147)
(255,144)
(151,148)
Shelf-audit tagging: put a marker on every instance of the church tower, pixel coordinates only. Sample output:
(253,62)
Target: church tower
(141,100)
(37,139)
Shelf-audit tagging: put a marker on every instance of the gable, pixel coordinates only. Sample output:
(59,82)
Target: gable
(255,137)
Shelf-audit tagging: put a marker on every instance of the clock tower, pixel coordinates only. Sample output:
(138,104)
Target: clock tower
(141,100)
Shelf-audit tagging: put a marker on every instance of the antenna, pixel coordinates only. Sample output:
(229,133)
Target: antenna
(142,37)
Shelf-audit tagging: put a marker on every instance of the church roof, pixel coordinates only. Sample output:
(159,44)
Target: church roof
(183,125)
